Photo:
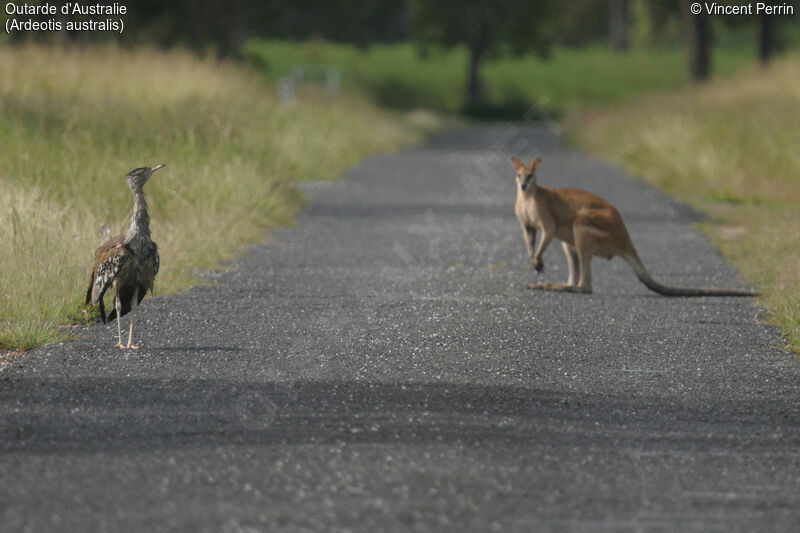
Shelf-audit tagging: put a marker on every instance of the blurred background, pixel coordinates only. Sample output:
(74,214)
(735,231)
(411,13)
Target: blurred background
(242,99)
(486,58)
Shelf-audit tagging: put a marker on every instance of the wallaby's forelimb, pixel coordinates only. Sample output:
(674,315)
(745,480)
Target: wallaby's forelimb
(529,234)
(537,256)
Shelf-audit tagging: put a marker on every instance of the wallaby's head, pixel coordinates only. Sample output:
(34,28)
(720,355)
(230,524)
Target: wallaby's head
(526,174)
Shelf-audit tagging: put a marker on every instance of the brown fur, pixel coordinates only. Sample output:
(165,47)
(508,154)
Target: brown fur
(587,226)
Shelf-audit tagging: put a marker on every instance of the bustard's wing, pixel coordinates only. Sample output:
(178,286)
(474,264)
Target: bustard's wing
(107,263)
(146,272)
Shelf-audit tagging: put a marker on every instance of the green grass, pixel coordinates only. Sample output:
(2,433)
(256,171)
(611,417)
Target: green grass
(729,148)
(74,121)
(398,76)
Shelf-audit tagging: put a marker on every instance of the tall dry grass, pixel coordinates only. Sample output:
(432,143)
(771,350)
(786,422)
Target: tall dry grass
(730,148)
(74,121)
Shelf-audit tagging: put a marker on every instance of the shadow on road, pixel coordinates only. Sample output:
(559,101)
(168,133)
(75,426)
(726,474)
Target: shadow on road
(45,416)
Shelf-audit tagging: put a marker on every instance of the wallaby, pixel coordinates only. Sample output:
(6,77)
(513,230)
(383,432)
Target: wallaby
(587,226)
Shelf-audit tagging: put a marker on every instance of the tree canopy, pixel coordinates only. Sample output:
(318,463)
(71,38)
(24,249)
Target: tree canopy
(484,27)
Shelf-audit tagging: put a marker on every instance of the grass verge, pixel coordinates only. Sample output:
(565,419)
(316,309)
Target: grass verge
(729,148)
(74,121)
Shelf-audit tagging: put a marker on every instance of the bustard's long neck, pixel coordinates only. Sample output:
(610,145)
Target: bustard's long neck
(140,220)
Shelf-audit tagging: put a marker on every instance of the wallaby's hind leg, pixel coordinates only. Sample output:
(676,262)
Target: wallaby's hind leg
(579,260)
(586,243)
(585,281)
(577,270)
(572,262)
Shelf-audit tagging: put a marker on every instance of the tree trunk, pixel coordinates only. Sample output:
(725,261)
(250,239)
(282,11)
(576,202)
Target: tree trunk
(617,28)
(766,38)
(698,40)
(474,85)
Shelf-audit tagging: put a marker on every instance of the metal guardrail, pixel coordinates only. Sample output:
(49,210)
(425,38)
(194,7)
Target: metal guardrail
(329,77)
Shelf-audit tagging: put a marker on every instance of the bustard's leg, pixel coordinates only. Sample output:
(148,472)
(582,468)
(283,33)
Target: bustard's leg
(118,307)
(133,314)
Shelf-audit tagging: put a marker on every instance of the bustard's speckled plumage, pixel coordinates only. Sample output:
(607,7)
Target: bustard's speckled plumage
(127,262)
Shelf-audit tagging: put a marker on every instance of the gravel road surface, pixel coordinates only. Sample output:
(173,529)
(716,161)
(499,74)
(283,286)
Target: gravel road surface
(382,367)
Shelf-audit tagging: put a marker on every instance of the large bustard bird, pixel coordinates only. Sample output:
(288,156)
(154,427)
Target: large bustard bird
(127,262)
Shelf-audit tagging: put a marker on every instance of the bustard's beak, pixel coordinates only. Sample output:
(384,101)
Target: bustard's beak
(157,167)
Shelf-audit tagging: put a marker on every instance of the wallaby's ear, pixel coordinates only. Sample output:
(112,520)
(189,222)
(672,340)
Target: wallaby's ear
(516,163)
(536,163)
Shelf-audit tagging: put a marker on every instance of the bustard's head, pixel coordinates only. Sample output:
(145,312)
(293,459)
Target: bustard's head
(139,176)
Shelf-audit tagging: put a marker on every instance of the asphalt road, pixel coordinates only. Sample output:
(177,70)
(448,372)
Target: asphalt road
(382,367)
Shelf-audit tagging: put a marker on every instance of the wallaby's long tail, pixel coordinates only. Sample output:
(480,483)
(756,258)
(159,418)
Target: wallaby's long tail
(666,290)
